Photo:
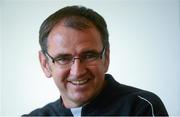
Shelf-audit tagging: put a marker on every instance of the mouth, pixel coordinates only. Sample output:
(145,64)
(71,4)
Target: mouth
(79,82)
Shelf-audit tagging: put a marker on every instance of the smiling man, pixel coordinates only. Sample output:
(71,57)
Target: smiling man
(75,53)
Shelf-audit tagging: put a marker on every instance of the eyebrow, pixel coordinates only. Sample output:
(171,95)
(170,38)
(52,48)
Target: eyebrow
(84,52)
(61,55)
(90,51)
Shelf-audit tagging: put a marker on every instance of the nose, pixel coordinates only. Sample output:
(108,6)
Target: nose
(77,69)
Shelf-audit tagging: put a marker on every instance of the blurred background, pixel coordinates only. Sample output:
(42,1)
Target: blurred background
(144,42)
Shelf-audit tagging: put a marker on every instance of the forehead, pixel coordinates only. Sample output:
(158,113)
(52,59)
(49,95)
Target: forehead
(70,40)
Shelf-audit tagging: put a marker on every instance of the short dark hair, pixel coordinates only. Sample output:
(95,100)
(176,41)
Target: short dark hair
(77,17)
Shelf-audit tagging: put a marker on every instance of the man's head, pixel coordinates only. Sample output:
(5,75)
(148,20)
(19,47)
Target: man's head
(75,52)
(77,17)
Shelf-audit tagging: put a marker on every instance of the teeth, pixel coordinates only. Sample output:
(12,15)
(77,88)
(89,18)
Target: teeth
(79,82)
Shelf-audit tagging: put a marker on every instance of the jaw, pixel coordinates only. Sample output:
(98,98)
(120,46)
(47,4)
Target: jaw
(80,93)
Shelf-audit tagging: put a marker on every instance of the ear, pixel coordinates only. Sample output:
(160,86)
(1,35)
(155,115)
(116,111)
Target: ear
(44,64)
(107,60)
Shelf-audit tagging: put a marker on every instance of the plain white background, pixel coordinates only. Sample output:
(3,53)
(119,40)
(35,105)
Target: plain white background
(145,49)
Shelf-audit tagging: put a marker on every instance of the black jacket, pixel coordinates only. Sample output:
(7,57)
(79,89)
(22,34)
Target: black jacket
(115,99)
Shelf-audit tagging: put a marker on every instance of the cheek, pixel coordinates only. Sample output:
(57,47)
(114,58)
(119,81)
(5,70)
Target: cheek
(60,77)
(98,71)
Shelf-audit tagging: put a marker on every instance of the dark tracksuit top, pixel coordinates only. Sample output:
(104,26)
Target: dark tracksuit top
(115,100)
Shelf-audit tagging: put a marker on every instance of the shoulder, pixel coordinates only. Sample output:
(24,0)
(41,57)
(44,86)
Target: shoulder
(49,109)
(137,101)
(148,101)
(127,91)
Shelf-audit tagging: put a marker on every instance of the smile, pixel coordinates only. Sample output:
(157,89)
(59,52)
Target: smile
(79,82)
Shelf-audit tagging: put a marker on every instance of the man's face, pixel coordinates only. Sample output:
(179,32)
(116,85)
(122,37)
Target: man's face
(80,82)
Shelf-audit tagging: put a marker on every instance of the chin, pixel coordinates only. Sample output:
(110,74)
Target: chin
(82,99)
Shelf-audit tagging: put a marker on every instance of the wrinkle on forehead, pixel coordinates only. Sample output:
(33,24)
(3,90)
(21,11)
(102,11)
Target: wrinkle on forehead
(66,39)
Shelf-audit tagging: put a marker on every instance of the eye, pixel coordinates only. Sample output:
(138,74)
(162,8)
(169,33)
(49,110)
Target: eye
(64,60)
(89,56)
